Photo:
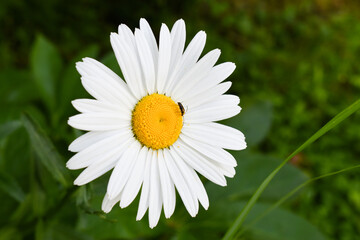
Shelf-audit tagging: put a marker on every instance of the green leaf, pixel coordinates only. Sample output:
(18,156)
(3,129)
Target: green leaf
(9,185)
(118,224)
(17,86)
(24,211)
(330,125)
(183,235)
(46,151)
(249,175)
(57,231)
(293,192)
(9,127)
(276,226)
(12,233)
(46,68)
(282,224)
(254,122)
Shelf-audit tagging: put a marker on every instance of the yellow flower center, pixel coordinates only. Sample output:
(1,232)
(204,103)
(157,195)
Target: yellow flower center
(157,121)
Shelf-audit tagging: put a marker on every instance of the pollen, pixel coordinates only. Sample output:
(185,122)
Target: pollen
(157,121)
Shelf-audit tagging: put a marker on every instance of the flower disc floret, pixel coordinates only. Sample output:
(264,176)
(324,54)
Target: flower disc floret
(157,121)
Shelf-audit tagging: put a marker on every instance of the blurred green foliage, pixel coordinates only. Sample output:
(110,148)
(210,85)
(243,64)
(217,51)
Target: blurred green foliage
(296,68)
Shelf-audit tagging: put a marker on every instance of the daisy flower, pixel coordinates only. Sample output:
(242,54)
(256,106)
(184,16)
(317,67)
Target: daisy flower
(156,128)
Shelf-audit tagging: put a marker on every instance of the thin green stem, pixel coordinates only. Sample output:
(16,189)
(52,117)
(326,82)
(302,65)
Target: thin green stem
(245,211)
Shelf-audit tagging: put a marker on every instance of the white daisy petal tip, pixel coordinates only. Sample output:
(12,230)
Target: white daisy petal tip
(125,135)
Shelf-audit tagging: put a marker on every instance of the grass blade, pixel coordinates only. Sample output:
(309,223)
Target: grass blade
(330,125)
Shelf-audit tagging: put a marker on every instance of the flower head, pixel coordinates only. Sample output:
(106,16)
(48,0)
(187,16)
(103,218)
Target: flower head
(157,128)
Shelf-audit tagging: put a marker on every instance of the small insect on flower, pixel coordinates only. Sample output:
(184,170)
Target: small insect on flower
(182,109)
(135,129)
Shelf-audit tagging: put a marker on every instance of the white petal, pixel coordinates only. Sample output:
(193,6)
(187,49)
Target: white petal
(150,38)
(128,35)
(100,121)
(164,58)
(144,196)
(127,58)
(123,169)
(167,186)
(226,170)
(199,163)
(104,148)
(88,139)
(155,198)
(189,58)
(214,153)
(98,168)
(221,108)
(108,203)
(216,75)
(216,134)
(178,35)
(91,105)
(147,61)
(133,185)
(101,76)
(207,96)
(103,92)
(195,74)
(192,179)
(182,187)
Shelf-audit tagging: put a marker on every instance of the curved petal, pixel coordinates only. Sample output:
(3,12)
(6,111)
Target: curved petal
(199,163)
(164,58)
(182,187)
(214,153)
(196,186)
(221,108)
(188,59)
(88,139)
(144,196)
(92,105)
(102,121)
(99,168)
(133,185)
(108,203)
(123,169)
(215,76)
(150,38)
(195,74)
(127,58)
(147,61)
(216,134)
(207,96)
(103,77)
(167,186)
(178,36)
(155,198)
(100,150)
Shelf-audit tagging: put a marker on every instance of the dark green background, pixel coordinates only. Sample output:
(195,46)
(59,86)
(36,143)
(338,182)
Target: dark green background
(297,66)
